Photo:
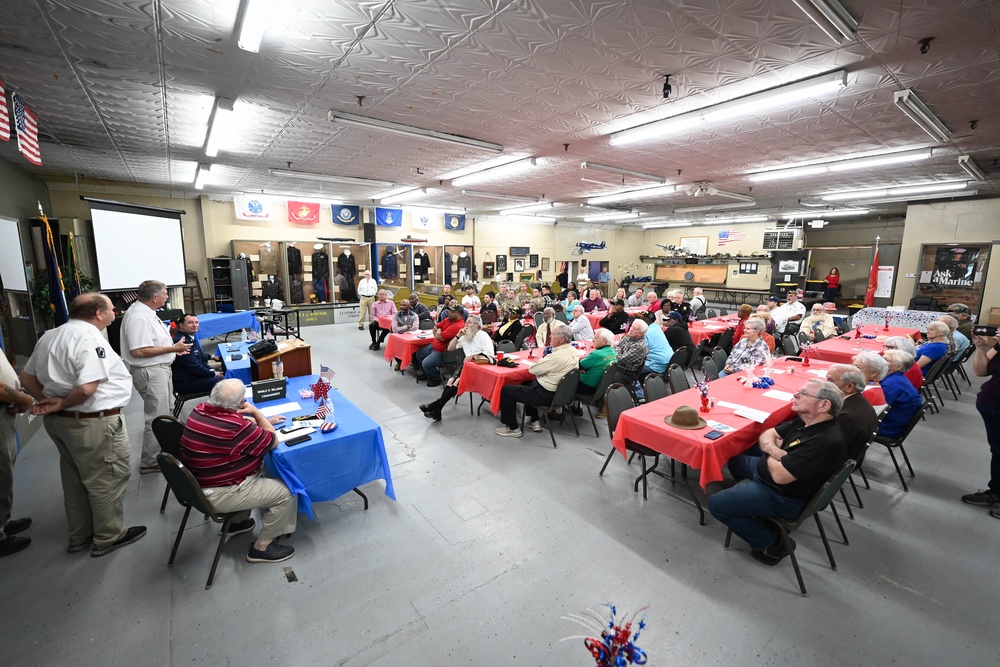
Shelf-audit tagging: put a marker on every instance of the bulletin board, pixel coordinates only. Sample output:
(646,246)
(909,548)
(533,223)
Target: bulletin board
(696,245)
(704,274)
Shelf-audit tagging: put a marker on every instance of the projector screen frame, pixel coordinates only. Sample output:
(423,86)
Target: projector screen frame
(126,207)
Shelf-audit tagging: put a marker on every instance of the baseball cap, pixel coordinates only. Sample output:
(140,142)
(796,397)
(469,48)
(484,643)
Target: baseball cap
(617,302)
(674,315)
(774,298)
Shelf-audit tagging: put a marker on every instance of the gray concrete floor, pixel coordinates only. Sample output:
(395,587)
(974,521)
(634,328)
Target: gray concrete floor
(493,540)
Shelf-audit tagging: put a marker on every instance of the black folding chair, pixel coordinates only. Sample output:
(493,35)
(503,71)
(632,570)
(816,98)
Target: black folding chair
(181,399)
(189,494)
(678,379)
(168,432)
(820,500)
(561,399)
(897,443)
(654,388)
(591,400)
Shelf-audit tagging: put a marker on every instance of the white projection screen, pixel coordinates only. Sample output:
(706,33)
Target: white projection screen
(136,243)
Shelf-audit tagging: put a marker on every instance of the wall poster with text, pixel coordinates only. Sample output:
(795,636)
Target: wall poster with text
(953,273)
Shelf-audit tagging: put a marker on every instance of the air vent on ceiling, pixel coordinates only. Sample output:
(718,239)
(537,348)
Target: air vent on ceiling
(782,239)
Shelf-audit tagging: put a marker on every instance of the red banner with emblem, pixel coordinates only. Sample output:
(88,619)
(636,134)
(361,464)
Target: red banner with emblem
(303,212)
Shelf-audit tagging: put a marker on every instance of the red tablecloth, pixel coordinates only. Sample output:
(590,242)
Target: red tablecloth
(644,425)
(488,380)
(840,351)
(702,329)
(402,346)
(385,322)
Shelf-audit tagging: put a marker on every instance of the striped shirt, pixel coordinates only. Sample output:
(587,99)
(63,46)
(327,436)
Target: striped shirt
(221,448)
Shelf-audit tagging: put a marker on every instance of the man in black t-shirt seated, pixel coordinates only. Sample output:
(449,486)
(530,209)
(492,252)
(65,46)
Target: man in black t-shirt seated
(779,477)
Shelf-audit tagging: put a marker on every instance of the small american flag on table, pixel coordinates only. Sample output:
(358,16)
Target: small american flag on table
(327,373)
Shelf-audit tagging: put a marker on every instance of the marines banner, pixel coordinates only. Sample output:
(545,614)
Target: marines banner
(454,221)
(252,207)
(303,212)
(388,217)
(346,215)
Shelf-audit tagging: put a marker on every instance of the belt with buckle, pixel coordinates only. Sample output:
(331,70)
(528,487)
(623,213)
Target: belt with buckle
(89,415)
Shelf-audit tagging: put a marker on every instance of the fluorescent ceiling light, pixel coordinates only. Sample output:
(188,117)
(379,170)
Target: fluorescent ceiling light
(410,131)
(531,219)
(843,164)
(201,175)
(753,104)
(971,168)
(939,195)
(494,173)
(831,17)
(621,171)
(484,164)
(253,22)
(408,195)
(716,207)
(634,193)
(530,208)
(910,104)
(664,225)
(329,178)
(821,213)
(623,215)
(743,218)
(393,192)
(493,195)
(218,124)
(896,192)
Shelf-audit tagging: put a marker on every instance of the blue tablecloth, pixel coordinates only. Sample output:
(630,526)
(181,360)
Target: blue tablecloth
(215,324)
(330,464)
(239,369)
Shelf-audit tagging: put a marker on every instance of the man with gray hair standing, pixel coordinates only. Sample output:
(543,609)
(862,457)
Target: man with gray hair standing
(224,443)
(81,386)
(147,349)
(779,477)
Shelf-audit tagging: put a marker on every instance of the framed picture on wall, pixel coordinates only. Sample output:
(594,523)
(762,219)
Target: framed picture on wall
(545,263)
(488,269)
(519,264)
(532,261)
(519,251)
(501,263)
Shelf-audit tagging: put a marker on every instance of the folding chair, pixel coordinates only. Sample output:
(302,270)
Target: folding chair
(678,379)
(897,443)
(539,319)
(506,346)
(189,494)
(820,500)
(654,388)
(562,397)
(181,399)
(168,432)
(591,400)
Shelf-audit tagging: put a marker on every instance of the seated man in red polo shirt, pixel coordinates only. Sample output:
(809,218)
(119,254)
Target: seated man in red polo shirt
(223,445)
(430,357)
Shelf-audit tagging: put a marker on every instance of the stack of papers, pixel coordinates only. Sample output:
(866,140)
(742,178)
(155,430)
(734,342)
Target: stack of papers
(778,394)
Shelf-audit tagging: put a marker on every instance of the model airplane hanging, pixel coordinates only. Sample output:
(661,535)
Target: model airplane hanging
(587,247)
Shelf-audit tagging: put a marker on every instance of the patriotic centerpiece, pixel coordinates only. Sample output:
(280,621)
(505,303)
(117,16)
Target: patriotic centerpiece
(616,646)
(703,390)
(321,394)
(804,353)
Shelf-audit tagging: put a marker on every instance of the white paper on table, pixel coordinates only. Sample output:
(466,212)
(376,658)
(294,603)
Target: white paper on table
(778,394)
(526,362)
(819,374)
(777,371)
(280,409)
(281,437)
(758,416)
(732,406)
(719,426)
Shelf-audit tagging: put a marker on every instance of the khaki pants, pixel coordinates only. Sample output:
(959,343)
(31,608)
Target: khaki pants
(153,384)
(277,504)
(366,307)
(94,466)
(8,454)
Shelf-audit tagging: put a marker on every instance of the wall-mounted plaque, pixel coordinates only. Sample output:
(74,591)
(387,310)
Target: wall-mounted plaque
(519,251)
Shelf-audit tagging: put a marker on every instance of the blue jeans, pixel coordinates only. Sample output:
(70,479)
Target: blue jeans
(742,508)
(991,419)
(431,362)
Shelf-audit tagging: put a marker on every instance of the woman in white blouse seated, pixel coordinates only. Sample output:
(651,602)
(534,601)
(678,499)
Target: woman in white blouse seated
(472,340)
(750,351)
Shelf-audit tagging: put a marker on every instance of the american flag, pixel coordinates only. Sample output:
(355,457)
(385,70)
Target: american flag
(27,131)
(326,373)
(323,410)
(4,118)
(279,366)
(252,336)
(727,236)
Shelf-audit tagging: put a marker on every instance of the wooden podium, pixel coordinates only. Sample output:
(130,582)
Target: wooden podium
(295,355)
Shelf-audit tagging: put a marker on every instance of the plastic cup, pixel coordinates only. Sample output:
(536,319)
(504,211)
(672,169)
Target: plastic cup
(499,356)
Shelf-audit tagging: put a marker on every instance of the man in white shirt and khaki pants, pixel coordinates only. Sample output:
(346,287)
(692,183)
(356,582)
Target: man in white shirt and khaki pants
(147,349)
(367,289)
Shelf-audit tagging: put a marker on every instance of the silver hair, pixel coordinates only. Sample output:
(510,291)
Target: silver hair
(563,332)
(697,291)
(577,306)
(150,288)
(950,321)
(874,362)
(960,307)
(605,336)
(851,375)
(472,326)
(904,360)
(228,394)
(938,327)
(640,324)
(828,391)
(550,311)
(904,343)
(756,324)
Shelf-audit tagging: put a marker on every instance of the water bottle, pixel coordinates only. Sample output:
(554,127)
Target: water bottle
(243,335)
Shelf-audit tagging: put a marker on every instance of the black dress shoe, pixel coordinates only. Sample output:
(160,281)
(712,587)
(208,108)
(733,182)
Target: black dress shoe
(12,545)
(15,526)
(434,383)
(425,408)
(436,415)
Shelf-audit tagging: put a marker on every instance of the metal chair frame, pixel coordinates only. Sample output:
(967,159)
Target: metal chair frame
(561,398)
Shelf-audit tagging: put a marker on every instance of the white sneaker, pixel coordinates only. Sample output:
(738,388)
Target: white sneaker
(535,426)
(509,433)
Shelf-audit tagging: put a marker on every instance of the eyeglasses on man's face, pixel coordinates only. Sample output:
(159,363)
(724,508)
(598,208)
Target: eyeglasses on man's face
(890,347)
(804,393)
